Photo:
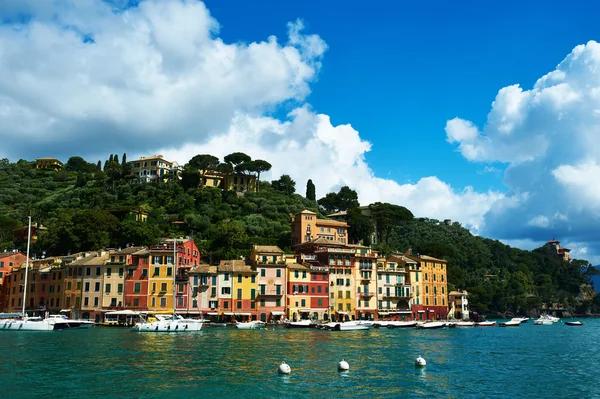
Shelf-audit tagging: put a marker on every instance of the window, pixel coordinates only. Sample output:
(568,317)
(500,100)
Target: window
(98,271)
(108,271)
(226,290)
(120,272)
(226,305)
(169,260)
(153,302)
(253,279)
(262,272)
(136,302)
(180,301)
(107,288)
(296,274)
(169,271)
(156,271)
(163,302)
(86,301)
(252,305)
(303,303)
(226,276)
(239,304)
(156,260)
(347,294)
(427,289)
(417,277)
(113,301)
(120,288)
(239,294)
(278,272)
(252,293)
(262,302)
(88,271)
(426,301)
(144,272)
(87,287)
(163,287)
(213,291)
(97,287)
(340,295)
(214,280)
(137,287)
(130,272)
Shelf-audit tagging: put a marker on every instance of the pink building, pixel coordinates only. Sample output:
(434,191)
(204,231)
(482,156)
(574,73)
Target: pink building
(269,262)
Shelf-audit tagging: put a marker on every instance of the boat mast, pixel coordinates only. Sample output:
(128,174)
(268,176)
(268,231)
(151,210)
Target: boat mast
(174,276)
(26,267)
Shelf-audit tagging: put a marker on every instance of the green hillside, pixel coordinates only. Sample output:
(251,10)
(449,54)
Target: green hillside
(85,208)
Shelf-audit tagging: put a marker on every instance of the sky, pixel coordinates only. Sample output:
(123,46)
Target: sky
(486,113)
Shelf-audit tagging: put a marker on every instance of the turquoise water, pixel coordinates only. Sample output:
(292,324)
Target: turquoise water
(524,362)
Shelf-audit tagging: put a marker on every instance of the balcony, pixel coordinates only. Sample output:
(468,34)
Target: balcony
(366,294)
(269,293)
(203,283)
(182,278)
(365,279)
(336,251)
(365,267)
(397,295)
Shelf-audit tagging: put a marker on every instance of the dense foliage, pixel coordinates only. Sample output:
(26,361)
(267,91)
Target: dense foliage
(84,208)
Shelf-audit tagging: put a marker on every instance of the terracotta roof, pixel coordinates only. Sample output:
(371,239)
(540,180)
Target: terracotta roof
(235,266)
(93,260)
(306,211)
(142,252)
(330,222)
(271,249)
(130,250)
(297,266)
(204,268)
(456,293)
(401,258)
(341,213)
(5,254)
(552,241)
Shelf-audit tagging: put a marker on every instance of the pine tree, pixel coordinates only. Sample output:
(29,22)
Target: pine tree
(116,158)
(110,159)
(310,190)
(99,166)
(124,160)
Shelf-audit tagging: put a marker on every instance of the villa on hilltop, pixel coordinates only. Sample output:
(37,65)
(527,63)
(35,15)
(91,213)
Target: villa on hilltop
(561,252)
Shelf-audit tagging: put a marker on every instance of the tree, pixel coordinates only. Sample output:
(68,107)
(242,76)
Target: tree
(190,178)
(237,158)
(284,184)
(329,202)
(361,226)
(258,166)
(113,170)
(78,164)
(99,166)
(124,160)
(4,163)
(116,158)
(344,199)
(310,190)
(387,216)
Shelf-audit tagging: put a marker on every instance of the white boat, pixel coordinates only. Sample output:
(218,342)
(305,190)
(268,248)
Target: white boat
(511,323)
(432,325)
(402,324)
(250,325)
(169,322)
(465,324)
(301,324)
(486,324)
(573,323)
(346,326)
(546,320)
(63,321)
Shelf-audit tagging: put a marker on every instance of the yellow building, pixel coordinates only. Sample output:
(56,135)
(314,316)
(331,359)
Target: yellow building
(298,298)
(366,282)
(394,291)
(114,279)
(434,285)
(243,289)
(48,163)
(307,227)
(238,182)
(151,169)
(160,277)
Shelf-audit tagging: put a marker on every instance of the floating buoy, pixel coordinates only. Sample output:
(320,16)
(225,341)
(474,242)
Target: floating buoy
(420,362)
(284,368)
(343,365)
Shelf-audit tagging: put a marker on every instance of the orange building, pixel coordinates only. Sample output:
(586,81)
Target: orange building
(434,286)
(7,261)
(307,227)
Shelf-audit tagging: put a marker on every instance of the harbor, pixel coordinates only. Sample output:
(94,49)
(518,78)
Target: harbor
(229,362)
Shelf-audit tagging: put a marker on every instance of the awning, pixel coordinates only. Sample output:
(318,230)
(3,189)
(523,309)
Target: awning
(212,313)
(340,312)
(243,313)
(277,313)
(304,310)
(228,313)
(123,312)
(383,313)
(431,310)
(421,311)
(64,311)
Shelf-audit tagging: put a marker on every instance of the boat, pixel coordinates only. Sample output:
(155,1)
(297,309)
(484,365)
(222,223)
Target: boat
(511,323)
(486,324)
(432,325)
(300,324)
(573,323)
(22,322)
(546,320)
(63,322)
(250,325)
(402,324)
(465,324)
(346,326)
(169,322)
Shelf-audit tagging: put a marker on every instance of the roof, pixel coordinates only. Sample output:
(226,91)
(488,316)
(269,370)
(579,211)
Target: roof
(331,222)
(401,258)
(456,293)
(47,159)
(341,213)
(5,254)
(236,265)
(552,241)
(142,252)
(271,249)
(306,211)
(203,268)
(129,250)
(297,266)
(93,259)
(423,257)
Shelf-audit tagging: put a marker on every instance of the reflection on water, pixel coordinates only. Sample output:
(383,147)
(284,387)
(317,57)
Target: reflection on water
(116,363)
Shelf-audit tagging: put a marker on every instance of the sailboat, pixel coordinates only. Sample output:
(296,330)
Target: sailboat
(26,323)
(168,322)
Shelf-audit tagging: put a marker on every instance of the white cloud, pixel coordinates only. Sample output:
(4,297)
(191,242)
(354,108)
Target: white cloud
(548,136)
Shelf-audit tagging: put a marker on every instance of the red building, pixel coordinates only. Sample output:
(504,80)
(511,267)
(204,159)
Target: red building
(7,261)
(136,263)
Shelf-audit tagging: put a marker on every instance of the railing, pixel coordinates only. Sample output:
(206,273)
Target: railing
(269,293)
(336,250)
(397,295)
(366,294)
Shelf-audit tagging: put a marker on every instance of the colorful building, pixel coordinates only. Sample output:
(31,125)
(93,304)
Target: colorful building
(136,261)
(365,270)
(561,252)
(151,169)
(434,286)
(459,305)
(306,227)
(269,262)
(7,261)
(298,298)
(394,291)
(204,286)
(92,280)
(48,163)
(242,293)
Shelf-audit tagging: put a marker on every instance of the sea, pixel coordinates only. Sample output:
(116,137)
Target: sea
(528,361)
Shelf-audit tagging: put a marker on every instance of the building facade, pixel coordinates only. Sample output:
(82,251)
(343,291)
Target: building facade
(365,269)
(241,279)
(306,227)
(270,265)
(151,169)
(394,291)
(137,263)
(434,286)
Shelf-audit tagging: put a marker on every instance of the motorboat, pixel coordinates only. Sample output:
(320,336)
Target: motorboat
(250,325)
(63,322)
(301,324)
(432,325)
(402,324)
(545,320)
(511,323)
(168,323)
(486,324)
(573,323)
(346,326)
(465,324)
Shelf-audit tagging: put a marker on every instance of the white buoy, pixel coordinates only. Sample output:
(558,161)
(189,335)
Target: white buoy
(284,368)
(343,366)
(420,362)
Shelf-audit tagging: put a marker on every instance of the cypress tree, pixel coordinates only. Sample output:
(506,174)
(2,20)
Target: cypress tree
(310,190)
(116,158)
(99,166)
(124,160)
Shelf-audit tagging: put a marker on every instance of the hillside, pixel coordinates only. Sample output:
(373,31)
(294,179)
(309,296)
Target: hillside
(85,209)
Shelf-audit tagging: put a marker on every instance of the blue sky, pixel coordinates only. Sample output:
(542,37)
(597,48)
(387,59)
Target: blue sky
(389,98)
(397,71)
